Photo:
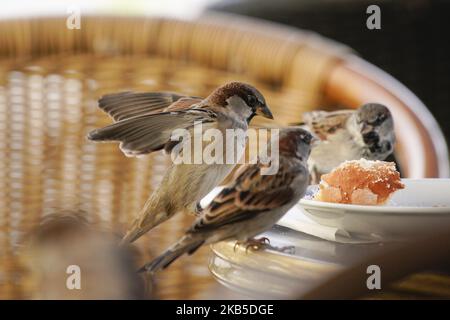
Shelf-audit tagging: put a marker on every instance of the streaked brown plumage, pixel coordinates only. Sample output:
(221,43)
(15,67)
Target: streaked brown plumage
(145,123)
(250,204)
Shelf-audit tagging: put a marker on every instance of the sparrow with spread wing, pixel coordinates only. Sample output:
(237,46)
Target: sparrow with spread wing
(367,132)
(145,123)
(251,203)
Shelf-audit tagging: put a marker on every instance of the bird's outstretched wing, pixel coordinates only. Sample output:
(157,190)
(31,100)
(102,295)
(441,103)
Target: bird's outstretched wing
(125,105)
(250,194)
(150,132)
(323,123)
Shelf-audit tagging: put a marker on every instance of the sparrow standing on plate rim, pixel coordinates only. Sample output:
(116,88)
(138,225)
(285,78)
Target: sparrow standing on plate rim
(145,123)
(367,132)
(251,204)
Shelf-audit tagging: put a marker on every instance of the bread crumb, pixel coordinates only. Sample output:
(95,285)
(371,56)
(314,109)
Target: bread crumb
(361,181)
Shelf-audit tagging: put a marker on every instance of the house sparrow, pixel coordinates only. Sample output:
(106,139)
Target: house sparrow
(251,203)
(349,135)
(145,123)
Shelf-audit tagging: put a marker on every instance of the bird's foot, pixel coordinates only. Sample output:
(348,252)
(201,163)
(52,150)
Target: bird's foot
(254,244)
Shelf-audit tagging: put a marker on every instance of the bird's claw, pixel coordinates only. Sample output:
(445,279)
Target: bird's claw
(263,240)
(254,244)
(258,244)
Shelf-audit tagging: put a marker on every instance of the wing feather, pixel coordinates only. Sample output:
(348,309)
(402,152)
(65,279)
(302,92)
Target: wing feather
(125,105)
(150,132)
(250,194)
(323,123)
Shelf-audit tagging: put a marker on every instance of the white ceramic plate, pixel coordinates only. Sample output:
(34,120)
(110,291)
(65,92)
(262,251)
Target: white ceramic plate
(422,207)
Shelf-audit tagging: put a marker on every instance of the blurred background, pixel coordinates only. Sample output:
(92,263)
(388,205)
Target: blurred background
(409,45)
(302,54)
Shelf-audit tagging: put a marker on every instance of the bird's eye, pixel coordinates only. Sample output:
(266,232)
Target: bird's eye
(378,120)
(252,100)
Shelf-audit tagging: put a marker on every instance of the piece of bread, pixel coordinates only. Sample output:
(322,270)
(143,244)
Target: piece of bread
(362,182)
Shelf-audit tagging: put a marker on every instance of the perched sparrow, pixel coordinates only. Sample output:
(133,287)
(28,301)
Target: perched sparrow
(349,135)
(145,123)
(252,203)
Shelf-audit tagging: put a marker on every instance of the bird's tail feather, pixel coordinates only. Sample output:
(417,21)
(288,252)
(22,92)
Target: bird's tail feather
(188,244)
(142,226)
(132,235)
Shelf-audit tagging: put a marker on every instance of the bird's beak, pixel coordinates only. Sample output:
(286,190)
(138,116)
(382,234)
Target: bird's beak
(264,111)
(365,128)
(314,141)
